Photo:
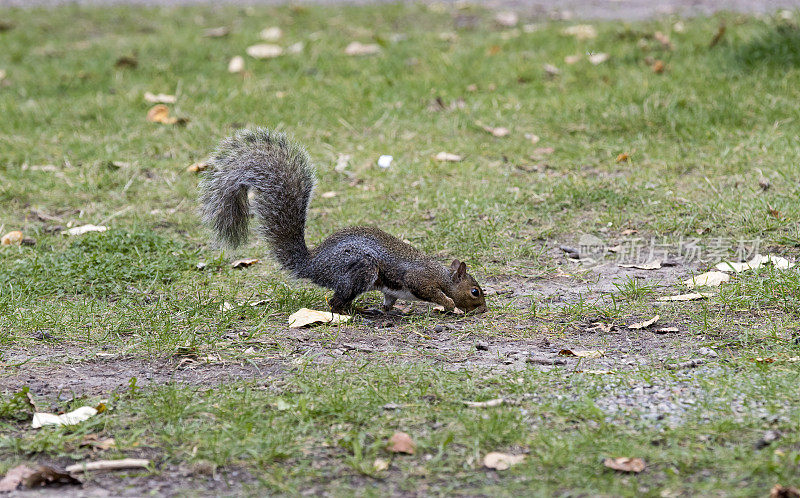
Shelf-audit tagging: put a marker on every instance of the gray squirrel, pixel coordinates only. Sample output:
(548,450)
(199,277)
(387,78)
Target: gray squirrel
(351,261)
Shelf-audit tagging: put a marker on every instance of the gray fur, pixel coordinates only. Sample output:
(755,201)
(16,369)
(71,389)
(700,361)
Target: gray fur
(279,173)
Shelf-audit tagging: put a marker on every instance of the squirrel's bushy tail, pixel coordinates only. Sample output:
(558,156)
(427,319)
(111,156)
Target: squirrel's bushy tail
(282,180)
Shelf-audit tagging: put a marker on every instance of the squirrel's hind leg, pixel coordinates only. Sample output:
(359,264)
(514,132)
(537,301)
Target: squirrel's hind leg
(358,278)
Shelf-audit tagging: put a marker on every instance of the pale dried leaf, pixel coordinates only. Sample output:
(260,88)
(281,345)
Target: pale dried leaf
(273,33)
(448,157)
(328,195)
(161,98)
(598,58)
(14,478)
(401,442)
(72,418)
(581,31)
(757,262)
(645,324)
(125,463)
(305,316)
(501,461)
(624,464)
(358,48)
(667,330)
(341,162)
(244,263)
(533,138)
(264,51)
(506,18)
(573,59)
(652,265)
(708,279)
(379,465)
(551,70)
(588,353)
(498,132)
(692,296)
(485,404)
(541,152)
(159,113)
(440,308)
(295,48)
(216,32)
(84,229)
(236,64)
(12,238)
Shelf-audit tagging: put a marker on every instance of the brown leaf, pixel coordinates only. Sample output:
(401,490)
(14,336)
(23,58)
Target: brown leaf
(46,476)
(401,442)
(779,491)
(244,263)
(623,157)
(216,32)
(159,113)
(718,36)
(197,167)
(658,66)
(12,238)
(501,461)
(14,478)
(129,61)
(624,464)
(95,442)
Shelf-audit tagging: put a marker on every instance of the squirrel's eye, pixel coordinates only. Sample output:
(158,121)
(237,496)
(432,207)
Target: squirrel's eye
(476,292)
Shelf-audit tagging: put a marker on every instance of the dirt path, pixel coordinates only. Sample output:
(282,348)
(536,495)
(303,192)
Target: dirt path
(560,9)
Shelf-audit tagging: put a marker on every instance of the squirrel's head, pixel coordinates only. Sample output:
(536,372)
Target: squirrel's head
(467,294)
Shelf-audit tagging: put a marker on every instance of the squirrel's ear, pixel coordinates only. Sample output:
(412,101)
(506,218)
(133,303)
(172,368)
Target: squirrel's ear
(462,270)
(458,270)
(454,266)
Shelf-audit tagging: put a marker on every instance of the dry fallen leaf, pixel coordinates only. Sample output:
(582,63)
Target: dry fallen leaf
(264,51)
(485,404)
(216,32)
(506,18)
(779,491)
(658,66)
(159,113)
(84,229)
(551,70)
(624,464)
(498,132)
(401,442)
(589,353)
(358,48)
(572,59)
(273,33)
(305,316)
(708,279)
(379,465)
(757,262)
(623,157)
(651,265)
(125,463)
(645,324)
(161,98)
(598,58)
(541,152)
(533,138)
(667,330)
(328,195)
(448,157)
(692,296)
(501,461)
(236,64)
(244,263)
(295,48)
(455,311)
(95,442)
(14,478)
(663,39)
(581,31)
(718,36)
(197,167)
(12,238)
(72,418)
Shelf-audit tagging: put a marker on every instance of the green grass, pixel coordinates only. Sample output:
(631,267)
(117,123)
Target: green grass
(699,135)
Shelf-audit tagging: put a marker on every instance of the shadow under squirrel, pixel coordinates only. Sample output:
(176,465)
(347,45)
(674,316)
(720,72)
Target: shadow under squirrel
(351,261)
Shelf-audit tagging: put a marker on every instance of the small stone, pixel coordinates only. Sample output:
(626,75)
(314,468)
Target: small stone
(481,346)
(438,328)
(708,352)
